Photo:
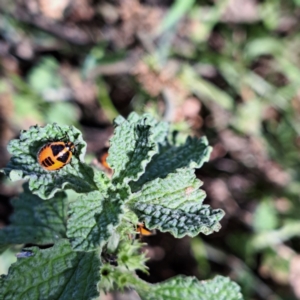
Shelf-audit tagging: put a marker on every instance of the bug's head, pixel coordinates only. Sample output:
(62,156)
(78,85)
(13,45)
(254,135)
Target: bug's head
(70,145)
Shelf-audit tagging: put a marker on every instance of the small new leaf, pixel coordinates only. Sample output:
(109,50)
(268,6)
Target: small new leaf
(24,164)
(56,273)
(35,221)
(192,154)
(180,287)
(130,256)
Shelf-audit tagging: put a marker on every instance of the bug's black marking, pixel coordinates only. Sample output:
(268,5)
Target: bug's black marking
(44,163)
(51,162)
(56,149)
(64,157)
(48,162)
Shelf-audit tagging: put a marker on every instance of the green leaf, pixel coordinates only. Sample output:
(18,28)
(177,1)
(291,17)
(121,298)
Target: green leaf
(132,147)
(36,221)
(178,288)
(174,204)
(179,222)
(24,164)
(94,217)
(193,153)
(57,273)
(82,221)
(178,190)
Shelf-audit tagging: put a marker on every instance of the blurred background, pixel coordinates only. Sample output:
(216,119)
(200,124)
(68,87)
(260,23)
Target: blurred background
(225,69)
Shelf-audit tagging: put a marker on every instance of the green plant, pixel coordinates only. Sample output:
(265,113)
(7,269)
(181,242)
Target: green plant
(92,230)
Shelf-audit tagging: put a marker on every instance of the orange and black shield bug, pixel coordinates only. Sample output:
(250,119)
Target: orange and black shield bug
(55,155)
